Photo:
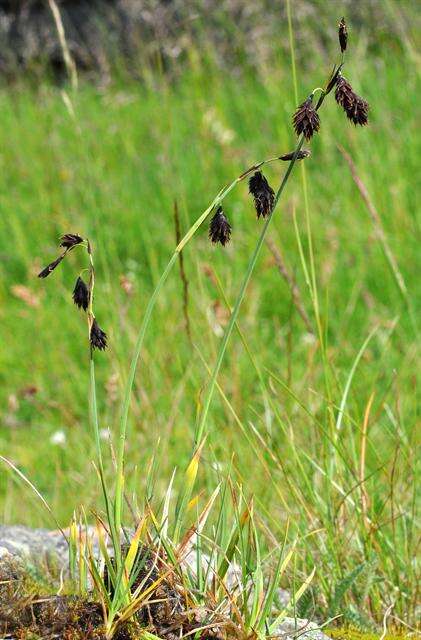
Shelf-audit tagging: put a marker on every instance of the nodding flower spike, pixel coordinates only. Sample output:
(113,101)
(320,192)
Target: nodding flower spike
(303,153)
(98,338)
(69,240)
(355,107)
(81,294)
(306,119)
(50,267)
(342,34)
(263,194)
(219,228)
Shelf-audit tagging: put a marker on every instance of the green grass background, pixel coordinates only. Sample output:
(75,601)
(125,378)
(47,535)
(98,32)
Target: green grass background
(111,170)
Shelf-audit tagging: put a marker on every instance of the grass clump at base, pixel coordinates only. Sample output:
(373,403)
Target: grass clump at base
(27,611)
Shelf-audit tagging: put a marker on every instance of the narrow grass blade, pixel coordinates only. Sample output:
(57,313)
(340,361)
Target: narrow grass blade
(275,624)
(350,378)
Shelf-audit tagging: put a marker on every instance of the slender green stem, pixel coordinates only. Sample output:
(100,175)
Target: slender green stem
(291,47)
(95,424)
(313,279)
(311,271)
(93,402)
(200,429)
(94,413)
(211,386)
(119,489)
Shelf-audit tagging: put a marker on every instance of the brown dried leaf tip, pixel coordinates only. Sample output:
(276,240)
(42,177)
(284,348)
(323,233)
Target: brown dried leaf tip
(355,107)
(263,194)
(50,267)
(81,294)
(306,119)
(333,80)
(220,228)
(342,34)
(70,240)
(303,153)
(98,338)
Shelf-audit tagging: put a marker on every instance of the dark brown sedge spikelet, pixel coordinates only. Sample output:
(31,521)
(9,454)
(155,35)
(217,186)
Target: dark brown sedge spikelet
(303,153)
(355,107)
(263,194)
(306,119)
(50,267)
(69,240)
(98,338)
(81,294)
(359,113)
(344,94)
(342,34)
(219,228)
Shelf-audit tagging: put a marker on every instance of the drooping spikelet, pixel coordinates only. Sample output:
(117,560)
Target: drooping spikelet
(359,113)
(69,240)
(98,338)
(81,294)
(306,119)
(263,194)
(303,153)
(344,94)
(355,107)
(219,228)
(50,267)
(342,34)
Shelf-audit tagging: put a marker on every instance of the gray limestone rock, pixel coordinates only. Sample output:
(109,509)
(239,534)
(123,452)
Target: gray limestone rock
(291,628)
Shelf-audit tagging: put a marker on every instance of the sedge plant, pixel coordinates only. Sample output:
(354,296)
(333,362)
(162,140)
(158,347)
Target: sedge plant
(152,561)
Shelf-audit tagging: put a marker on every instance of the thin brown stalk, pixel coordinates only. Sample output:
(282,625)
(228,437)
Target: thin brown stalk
(182,272)
(392,490)
(68,60)
(377,223)
(291,282)
(385,617)
(364,495)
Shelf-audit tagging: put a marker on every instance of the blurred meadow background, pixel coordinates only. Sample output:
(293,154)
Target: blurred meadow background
(164,115)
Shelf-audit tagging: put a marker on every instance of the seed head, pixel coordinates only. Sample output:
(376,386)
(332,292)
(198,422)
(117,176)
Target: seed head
(220,228)
(344,94)
(360,112)
(70,240)
(303,153)
(81,294)
(263,194)
(355,107)
(342,34)
(50,267)
(306,119)
(98,338)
